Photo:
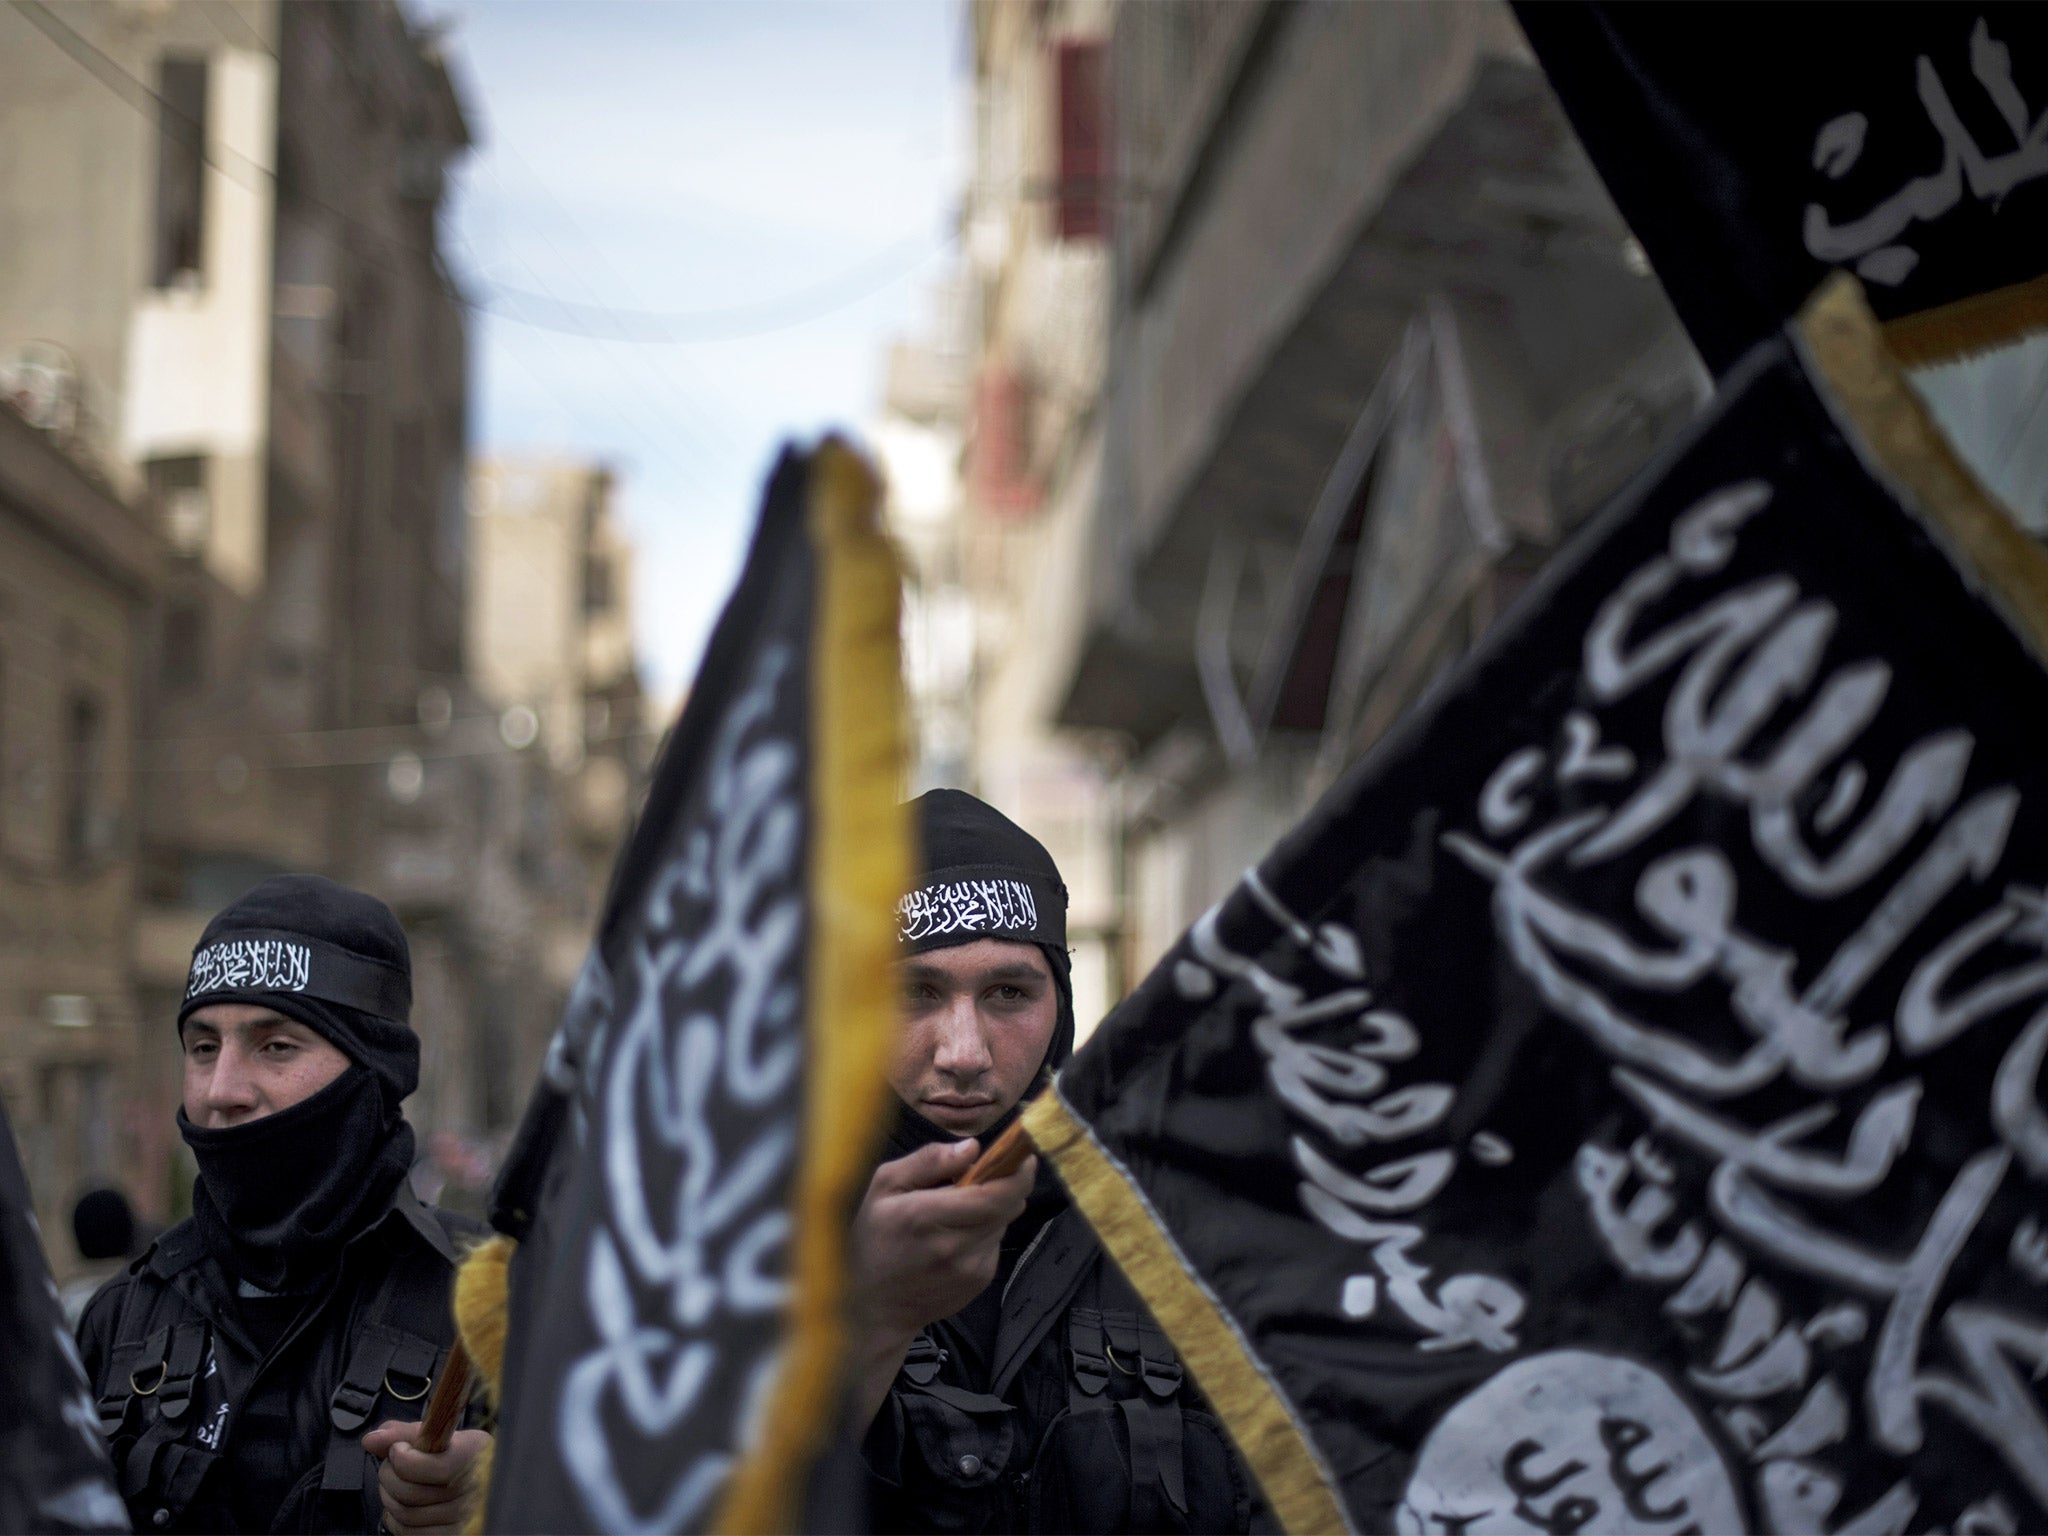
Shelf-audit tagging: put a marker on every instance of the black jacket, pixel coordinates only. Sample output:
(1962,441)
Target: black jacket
(209,1431)
(1080,1417)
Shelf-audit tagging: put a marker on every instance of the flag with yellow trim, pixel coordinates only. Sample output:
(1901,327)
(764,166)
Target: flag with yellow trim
(1617,1107)
(666,1339)
(1754,154)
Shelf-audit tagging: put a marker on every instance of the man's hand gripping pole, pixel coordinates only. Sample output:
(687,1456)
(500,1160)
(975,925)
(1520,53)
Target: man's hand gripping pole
(1003,1157)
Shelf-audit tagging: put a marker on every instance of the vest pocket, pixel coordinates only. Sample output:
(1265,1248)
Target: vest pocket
(311,1507)
(1086,1476)
(958,1447)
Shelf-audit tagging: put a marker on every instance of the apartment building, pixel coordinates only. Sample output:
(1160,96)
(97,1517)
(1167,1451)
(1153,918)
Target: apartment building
(1302,335)
(220,222)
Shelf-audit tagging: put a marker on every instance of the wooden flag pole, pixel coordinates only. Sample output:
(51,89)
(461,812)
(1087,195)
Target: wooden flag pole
(445,1406)
(1003,1157)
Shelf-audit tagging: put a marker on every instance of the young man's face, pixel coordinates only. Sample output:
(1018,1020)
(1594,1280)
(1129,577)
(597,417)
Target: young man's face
(243,1062)
(976,1021)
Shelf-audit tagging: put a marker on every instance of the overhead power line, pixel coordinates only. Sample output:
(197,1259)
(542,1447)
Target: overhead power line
(728,323)
(541,311)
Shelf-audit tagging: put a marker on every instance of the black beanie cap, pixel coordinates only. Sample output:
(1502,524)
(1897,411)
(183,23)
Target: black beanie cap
(981,876)
(332,958)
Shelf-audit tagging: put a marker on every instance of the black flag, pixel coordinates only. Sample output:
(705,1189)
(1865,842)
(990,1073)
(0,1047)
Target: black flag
(684,1178)
(54,1473)
(1754,152)
(1616,1107)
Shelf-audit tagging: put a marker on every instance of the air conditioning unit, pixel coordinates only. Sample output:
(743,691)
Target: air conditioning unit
(187,512)
(39,379)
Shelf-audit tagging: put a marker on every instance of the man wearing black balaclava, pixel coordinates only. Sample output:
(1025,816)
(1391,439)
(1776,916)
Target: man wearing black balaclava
(239,1362)
(1008,1377)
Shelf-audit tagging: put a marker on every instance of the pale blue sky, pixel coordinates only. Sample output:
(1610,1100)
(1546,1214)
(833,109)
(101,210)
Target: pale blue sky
(785,169)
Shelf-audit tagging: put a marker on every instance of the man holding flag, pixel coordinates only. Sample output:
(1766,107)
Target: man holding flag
(238,1363)
(686,1320)
(1015,1381)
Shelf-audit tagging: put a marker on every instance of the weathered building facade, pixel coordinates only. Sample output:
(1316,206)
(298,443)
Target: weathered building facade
(222,219)
(550,636)
(78,572)
(1364,339)
(1037,223)
(1381,340)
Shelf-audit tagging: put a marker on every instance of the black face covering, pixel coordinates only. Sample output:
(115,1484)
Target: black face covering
(277,1197)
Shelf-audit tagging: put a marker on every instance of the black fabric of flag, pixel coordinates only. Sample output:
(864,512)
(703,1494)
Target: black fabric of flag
(1616,1107)
(682,1181)
(1754,153)
(54,1474)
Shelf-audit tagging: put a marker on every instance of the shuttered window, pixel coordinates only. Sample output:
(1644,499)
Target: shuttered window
(1081,201)
(1000,453)
(180,234)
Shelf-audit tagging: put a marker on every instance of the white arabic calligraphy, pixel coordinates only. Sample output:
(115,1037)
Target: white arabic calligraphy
(1342,1090)
(1740,659)
(272,964)
(1866,240)
(712,1250)
(966,906)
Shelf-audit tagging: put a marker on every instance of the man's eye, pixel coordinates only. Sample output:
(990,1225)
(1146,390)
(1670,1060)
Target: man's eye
(280,1047)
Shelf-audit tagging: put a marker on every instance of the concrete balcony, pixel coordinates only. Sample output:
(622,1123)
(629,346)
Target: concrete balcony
(1381,166)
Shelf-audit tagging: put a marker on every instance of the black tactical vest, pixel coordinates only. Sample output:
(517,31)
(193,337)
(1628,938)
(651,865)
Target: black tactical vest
(173,1369)
(1086,1423)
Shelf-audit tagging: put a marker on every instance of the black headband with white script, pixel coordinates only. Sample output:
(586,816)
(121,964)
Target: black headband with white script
(958,906)
(250,964)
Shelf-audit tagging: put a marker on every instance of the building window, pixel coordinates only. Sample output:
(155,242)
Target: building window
(408,474)
(597,583)
(184,648)
(1081,194)
(92,1149)
(184,504)
(180,172)
(998,456)
(72,1142)
(86,823)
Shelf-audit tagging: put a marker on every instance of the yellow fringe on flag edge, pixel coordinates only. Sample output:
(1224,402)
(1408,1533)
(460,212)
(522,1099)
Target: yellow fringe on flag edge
(1854,358)
(1976,324)
(480,1288)
(860,867)
(1290,1473)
